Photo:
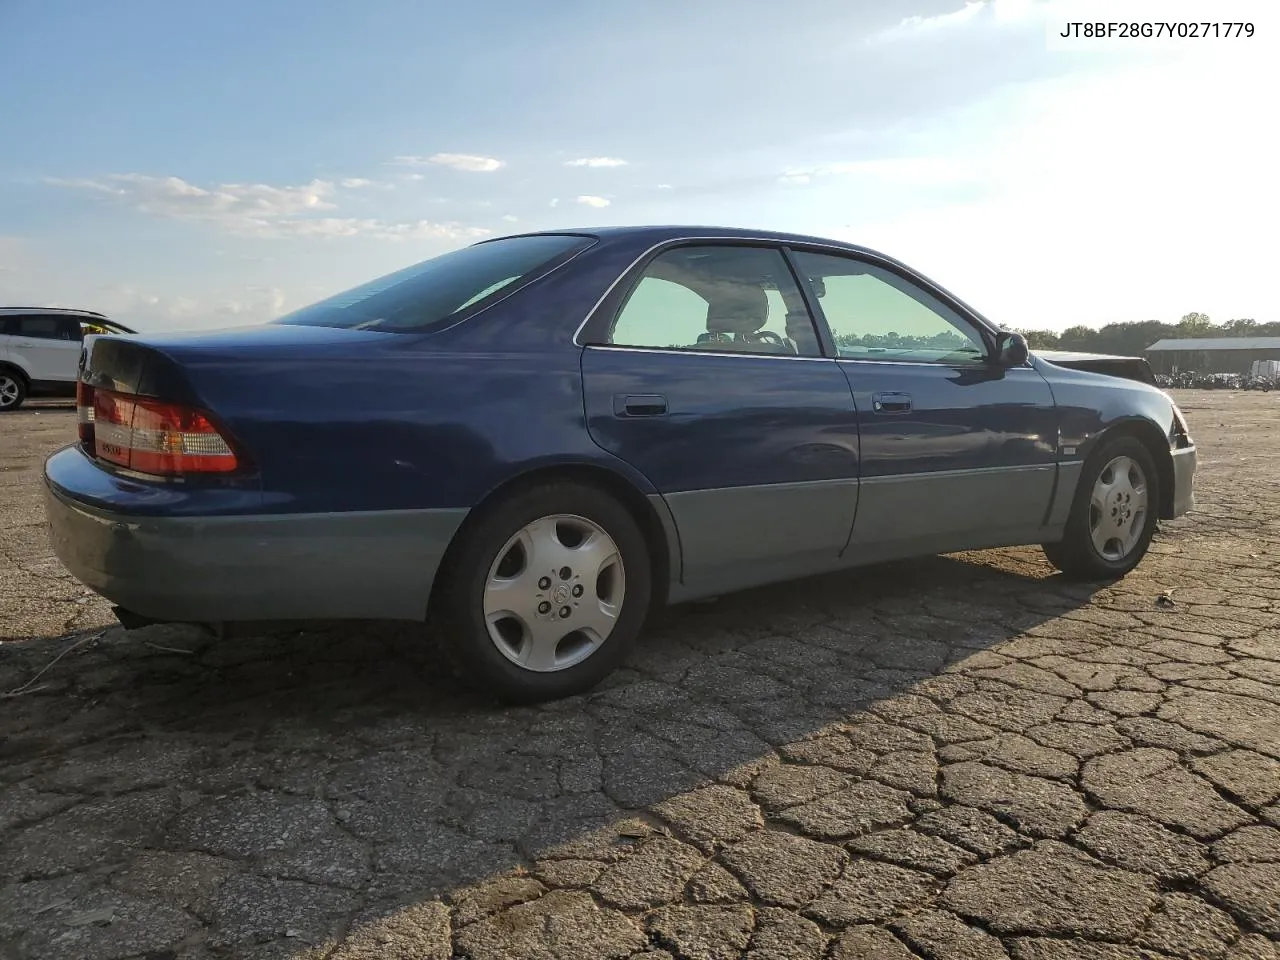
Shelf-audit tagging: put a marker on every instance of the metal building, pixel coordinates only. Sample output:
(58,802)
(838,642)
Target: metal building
(1211,354)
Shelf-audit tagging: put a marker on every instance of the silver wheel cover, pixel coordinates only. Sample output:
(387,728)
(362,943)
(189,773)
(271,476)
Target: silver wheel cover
(1118,509)
(8,390)
(553,593)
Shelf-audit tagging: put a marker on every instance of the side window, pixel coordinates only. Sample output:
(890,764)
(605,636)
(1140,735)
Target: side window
(728,299)
(46,328)
(41,328)
(876,315)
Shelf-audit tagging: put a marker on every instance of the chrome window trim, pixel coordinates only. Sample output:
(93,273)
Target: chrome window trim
(690,352)
(916,363)
(766,356)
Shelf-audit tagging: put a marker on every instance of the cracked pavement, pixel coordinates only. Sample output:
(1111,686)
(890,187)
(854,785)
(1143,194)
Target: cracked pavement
(955,757)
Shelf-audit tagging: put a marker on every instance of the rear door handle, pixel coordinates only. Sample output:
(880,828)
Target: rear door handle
(633,405)
(891,403)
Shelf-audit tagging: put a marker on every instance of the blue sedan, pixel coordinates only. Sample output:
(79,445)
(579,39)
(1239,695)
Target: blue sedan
(530,442)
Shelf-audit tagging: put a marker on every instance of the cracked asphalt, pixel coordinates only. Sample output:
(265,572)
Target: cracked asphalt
(956,757)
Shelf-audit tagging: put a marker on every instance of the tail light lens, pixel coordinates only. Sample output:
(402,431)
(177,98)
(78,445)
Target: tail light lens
(153,437)
(84,414)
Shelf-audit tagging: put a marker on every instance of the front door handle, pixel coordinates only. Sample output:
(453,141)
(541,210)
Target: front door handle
(634,405)
(891,403)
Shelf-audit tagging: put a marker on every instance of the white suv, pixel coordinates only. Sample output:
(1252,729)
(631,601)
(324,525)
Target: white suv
(40,350)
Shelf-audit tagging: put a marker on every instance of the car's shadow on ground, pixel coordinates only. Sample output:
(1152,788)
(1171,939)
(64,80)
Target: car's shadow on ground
(349,755)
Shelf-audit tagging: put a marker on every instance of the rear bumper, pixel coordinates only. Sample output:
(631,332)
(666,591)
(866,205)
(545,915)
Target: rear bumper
(377,565)
(1184,473)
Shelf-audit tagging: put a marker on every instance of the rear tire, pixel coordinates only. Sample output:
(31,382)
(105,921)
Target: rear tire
(1113,516)
(13,390)
(545,593)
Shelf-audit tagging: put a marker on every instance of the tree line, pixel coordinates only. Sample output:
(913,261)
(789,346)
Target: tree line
(1132,338)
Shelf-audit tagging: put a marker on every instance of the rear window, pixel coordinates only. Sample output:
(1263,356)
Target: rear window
(428,294)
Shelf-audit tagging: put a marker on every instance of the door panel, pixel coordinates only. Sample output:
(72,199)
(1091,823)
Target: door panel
(49,346)
(756,456)
(975,451)
(710,381)
(957,451)
(51,360)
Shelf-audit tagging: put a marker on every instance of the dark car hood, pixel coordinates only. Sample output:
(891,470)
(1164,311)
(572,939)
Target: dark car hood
(1128,368)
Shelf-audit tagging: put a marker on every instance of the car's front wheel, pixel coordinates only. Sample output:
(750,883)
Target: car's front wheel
(545,592)
(1113,516)
(13,390)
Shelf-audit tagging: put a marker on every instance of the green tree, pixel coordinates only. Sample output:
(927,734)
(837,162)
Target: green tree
(1240,328)
(1194,325)
(1078,338)
(1041,339)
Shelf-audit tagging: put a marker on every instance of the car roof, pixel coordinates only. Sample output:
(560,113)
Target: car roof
(660,233)
(51,311)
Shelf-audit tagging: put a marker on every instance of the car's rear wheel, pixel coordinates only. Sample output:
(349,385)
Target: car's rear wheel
(13,390)
(1113,516)
(545,592)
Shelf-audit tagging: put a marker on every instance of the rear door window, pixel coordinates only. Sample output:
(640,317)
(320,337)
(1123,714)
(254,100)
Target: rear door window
(41,328)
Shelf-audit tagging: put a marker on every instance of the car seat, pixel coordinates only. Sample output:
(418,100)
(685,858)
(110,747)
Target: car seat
(735,323)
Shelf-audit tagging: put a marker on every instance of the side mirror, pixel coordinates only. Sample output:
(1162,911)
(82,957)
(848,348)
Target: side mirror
(1011,349)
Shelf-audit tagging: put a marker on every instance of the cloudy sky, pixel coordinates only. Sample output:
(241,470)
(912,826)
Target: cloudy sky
(194,165)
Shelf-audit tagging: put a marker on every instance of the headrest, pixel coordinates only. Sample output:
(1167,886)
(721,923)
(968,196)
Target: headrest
(743,309)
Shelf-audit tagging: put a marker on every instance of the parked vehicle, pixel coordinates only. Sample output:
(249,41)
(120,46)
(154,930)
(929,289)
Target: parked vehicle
(1131,368)
(530,441)
(40,350)
(1268,370)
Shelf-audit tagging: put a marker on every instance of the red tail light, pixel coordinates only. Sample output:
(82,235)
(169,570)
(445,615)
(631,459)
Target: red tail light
(153,437)
(84,414)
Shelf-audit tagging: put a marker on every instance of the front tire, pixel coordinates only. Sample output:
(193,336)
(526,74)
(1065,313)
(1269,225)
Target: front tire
(13,391)
(1113,516)
(545,593)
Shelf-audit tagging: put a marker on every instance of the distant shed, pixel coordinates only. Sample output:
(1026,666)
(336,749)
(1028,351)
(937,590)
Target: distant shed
(1211,354)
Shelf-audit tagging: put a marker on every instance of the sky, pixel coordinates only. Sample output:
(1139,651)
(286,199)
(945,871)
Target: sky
(183,166)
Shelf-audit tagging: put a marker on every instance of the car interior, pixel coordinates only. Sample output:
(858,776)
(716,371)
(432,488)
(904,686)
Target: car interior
(736,289)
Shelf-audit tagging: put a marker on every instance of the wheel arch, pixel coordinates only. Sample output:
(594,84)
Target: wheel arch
(650,512)
(8,366)
(24,380)
(1153,438)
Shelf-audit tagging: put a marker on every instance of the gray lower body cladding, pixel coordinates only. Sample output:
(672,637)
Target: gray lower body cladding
(376,565)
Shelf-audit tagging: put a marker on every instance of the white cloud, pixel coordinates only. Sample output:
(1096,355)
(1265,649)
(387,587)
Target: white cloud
(1129,194)
(146,309)
(258,209)
(665,186)
(469,162)
(1002,12)
(509,218)
(175,197)
(371,228)
(943,20)
(555,202)
(911,171)
(596,162)
(589,201)
(355,183)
